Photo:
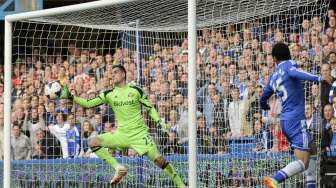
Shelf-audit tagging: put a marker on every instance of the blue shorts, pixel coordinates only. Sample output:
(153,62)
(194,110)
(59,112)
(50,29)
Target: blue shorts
(297,133)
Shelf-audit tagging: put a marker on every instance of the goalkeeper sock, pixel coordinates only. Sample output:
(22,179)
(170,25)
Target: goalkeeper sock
(290,170)
(169,171)
(105,155)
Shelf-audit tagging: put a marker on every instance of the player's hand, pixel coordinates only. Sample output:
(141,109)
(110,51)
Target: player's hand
(163,126)
(163,131)
(65,93)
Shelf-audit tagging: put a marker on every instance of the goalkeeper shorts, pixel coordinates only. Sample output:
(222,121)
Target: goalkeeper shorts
(142,142)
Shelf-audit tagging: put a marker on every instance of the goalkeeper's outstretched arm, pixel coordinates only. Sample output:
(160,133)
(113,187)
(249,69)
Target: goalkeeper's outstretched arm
(86,103)
(89,103)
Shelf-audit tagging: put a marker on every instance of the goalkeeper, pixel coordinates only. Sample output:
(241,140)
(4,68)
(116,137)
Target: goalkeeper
(126,101)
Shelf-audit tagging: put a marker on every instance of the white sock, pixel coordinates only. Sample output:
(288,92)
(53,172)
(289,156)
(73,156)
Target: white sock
(310,173)
(294,168)
(291,169)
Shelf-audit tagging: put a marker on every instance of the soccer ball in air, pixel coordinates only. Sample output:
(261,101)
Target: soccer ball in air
(53,90)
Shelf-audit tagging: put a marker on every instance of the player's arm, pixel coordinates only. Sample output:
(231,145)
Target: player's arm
(152,112)
(267,93)
(86,103)
(143,99)
(90,103)
(302,75)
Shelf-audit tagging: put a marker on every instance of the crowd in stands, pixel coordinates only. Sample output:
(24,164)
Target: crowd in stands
(233,66)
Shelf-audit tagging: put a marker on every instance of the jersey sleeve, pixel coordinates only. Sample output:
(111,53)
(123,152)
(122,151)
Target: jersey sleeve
(90,103)
(143,99)
(267,93)
(302,75)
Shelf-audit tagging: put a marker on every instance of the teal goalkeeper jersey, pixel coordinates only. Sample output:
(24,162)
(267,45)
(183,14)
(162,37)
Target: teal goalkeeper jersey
(126,103)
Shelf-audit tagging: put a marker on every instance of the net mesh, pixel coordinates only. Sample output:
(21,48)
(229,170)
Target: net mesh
(238,143)
(173,14)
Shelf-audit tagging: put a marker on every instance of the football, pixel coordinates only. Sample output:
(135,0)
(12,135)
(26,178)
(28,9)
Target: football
(53,90)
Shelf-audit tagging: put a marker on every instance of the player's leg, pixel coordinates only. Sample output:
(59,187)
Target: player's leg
(310,173)
(100,145)
(168,168)
(102,152)
(145,145)
(297,134)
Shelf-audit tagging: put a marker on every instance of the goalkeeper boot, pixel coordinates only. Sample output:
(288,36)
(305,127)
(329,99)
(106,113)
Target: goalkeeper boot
(270,182)
(121,171)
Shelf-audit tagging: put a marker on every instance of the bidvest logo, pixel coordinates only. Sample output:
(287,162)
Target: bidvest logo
(123,103)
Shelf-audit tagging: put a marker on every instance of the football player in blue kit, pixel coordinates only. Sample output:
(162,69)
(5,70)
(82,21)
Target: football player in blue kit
(286,83)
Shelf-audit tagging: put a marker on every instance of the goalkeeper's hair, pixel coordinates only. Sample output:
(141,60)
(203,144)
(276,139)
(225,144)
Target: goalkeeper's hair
(121,67)
(281,52)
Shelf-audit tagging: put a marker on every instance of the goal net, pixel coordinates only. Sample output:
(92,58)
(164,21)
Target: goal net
(237,142)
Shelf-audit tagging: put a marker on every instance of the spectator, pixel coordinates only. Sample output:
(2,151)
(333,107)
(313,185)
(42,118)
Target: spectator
(329,139)
(20,144)
(221,123)
(263,136)
(73,138)
(51,113)
(236,114)
(35,122)
(47,147)
(326,84)
(62,107)
(207,104)
(59,130)
(328,114)
(182,122)
(164,86)
(108,127)
(87,134)
(333,103)
(280,143)
(202,135)
(97,124)
(315,96)
(79,115)
(243,89)
(254,106)
(172,146)
(21,116)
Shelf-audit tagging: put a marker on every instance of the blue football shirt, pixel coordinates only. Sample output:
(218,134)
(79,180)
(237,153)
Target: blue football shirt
(286,83)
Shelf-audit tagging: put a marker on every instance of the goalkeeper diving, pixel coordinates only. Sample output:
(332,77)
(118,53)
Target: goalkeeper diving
(126,101)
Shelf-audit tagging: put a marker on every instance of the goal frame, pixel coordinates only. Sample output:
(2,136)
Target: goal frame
(192,46)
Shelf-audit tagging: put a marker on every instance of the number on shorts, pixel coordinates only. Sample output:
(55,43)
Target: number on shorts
(148,140)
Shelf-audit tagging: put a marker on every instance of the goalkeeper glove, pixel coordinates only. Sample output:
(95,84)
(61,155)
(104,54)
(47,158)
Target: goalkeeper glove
(65,93)
(164,130)
(160,124)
